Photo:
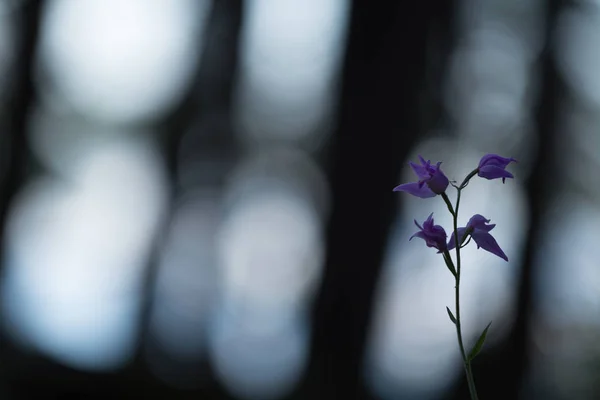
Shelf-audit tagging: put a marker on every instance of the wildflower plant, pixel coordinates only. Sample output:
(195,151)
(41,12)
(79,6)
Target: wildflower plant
(432,182)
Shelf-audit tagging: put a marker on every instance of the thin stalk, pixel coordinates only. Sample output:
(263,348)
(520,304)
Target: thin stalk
(454,212)
(467,363)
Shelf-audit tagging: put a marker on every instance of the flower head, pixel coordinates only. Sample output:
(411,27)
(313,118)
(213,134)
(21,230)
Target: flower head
(432,180)
(492,166)
(433,235)
(479,230)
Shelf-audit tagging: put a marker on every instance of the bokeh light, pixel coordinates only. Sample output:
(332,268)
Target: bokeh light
(271,253)
(120,61)
(187,286)
(258,354)
(290,59)
(578,57)
(492,83)
(76,296)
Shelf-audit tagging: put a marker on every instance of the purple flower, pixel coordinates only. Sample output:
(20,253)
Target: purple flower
(432,180)
(433,235)
(492,166)
(479,231)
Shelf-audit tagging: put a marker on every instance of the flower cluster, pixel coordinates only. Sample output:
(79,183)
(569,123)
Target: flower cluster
(433,235)
(432,182)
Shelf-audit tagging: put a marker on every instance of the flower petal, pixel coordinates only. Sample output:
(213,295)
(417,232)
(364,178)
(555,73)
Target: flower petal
(438,182)
(451,242)
(428,223)
(419,234)
(494,172)
(417,224)
(413,188)
(488,243)
(478,221)
(420,171)
(495,159)
(434,235)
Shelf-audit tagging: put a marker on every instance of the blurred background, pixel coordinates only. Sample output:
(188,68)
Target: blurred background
(196,198)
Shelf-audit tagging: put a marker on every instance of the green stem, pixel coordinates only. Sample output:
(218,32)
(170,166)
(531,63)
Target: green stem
(471,381)
(466,180)
(448,203)
(454,212)
(467,363)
